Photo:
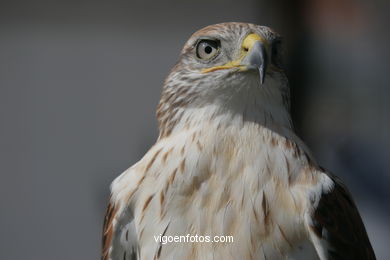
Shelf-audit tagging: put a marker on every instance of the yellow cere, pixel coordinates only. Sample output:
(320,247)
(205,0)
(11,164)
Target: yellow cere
(250,40)
(247,44)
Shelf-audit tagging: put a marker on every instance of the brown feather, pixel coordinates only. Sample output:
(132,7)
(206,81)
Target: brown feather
(108,231)
(337,220)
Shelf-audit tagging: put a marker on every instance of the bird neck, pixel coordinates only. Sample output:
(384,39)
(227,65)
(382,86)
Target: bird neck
(235,112)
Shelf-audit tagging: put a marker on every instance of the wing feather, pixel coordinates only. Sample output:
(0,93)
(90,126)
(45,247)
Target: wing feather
(119,237)
(336,227)
(108,231)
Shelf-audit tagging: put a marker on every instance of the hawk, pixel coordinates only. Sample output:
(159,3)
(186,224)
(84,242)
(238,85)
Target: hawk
(227,162)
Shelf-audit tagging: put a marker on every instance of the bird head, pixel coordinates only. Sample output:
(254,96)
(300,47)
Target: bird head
(231,66)
(233,47)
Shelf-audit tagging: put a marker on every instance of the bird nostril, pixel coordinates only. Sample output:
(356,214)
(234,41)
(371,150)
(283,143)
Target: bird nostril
(246,49)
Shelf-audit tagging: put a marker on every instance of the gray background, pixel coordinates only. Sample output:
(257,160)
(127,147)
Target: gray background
(80,81)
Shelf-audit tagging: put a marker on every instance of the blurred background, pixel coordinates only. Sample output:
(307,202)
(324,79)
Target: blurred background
(80,81)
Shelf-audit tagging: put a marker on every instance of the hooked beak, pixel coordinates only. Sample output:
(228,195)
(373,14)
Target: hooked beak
(253,56)
(257,59)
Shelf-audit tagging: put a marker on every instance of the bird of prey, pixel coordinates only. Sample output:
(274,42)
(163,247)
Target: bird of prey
(227,162)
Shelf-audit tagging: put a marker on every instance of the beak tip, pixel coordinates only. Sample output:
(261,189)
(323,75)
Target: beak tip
(261,74)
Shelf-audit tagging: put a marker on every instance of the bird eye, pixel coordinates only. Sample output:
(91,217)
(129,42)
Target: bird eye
(206,49)
(276,53)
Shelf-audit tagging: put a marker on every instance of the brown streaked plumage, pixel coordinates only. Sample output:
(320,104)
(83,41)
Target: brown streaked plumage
(227,162)
(108,231)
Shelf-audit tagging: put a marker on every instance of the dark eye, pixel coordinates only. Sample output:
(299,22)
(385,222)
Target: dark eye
(276,55)
(207,49)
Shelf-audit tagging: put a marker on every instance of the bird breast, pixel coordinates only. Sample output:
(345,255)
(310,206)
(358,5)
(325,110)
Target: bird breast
(246,182)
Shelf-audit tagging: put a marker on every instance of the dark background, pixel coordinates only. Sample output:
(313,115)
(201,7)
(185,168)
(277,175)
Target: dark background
(80,81)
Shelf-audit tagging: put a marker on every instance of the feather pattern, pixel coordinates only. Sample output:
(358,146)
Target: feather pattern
(227,162)
(337,228)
